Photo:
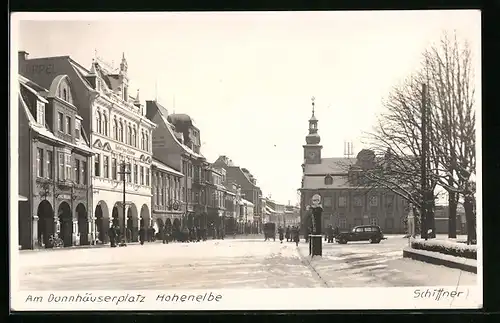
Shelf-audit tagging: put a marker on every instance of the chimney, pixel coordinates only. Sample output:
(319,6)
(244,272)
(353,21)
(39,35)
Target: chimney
(22,55)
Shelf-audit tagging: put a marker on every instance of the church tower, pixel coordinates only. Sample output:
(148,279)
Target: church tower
(312,148)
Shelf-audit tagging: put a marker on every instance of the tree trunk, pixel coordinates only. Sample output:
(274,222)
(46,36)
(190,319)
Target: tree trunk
(431,222)
(470,219)
(452,215)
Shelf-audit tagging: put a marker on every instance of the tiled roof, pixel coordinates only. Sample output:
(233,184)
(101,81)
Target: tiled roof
(336,165)
(317,182)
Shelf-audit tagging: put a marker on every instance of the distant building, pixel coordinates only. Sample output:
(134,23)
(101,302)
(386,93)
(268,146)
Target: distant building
(292,215)
(346,203)
(441,219)
(249,189)
(276,212)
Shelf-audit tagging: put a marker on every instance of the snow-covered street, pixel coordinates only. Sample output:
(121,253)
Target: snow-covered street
(238,263)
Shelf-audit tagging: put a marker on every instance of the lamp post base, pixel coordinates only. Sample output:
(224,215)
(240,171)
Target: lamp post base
(315,245)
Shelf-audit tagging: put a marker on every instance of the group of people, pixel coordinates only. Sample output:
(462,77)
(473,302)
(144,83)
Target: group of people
(331,233)
(166,234)
(292,234)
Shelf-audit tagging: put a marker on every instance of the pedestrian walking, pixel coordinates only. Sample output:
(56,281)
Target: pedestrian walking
(142,235)
(287,234)
(281,234)
(112,237)
(330,233)
(296,235)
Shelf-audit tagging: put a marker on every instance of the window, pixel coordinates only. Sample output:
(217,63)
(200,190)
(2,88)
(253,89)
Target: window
(40,112)
(113,168)
(373,201)
(84,173)
(61,167)
(147,176)
(135,174)
(141,175)
(50,158)
(358,201)
(77,171)
(60,121)
(342,223)
(120,131)
(389,201)
(129,173)
(373,221)
(146,139)
(328,180)
(65,95)
(130,142)
(77,129)
(39,162)
(115,130)
(142,140)
(358,229)
(327,201)
(98,122)
(134,137)
(342,201)
(97,165)
(106,166)
(67,166)
(104,124)
(68,125)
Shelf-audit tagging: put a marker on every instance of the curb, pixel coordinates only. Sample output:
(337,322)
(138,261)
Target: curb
(436,258)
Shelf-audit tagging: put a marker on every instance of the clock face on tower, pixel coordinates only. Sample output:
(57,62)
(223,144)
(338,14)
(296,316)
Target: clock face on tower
(312,155)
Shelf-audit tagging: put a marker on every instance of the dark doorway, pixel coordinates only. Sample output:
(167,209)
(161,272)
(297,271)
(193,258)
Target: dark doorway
(46,225)
(130,227)
(83,232)
(102,222)
(66,224)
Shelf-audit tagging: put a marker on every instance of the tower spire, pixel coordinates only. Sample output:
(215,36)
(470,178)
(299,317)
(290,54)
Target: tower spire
(312,100)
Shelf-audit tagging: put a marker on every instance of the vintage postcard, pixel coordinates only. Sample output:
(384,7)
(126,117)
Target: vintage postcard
(246,161)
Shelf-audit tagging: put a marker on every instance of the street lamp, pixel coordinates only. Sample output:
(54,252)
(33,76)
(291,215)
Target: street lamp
(123,172)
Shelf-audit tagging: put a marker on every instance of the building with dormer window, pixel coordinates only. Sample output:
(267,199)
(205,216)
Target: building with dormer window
(346,202)
(54,163)
(119,133)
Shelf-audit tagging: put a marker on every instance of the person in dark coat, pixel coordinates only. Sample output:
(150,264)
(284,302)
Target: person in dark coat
(281,233)
(336,232)
(112,236)
(142,235)
(287,234)
(296,235)
(330,233)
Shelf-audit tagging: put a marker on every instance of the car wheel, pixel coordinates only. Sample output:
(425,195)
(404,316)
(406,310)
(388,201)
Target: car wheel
(373,240)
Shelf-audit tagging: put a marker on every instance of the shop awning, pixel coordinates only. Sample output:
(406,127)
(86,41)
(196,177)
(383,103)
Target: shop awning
(22,198)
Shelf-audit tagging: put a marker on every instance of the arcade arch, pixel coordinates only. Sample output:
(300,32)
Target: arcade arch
(81,215)
(46,226)
(65,224)
(102,221)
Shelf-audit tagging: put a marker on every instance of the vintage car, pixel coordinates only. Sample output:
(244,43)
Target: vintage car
(371,233)
(270,231)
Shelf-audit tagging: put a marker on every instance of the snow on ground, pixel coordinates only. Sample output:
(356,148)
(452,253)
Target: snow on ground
(361,264)
(230,263)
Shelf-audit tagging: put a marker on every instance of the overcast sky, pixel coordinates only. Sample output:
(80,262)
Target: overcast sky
(247,78)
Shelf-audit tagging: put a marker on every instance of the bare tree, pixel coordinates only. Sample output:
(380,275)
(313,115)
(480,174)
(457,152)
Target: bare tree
(449,75)
(397,137)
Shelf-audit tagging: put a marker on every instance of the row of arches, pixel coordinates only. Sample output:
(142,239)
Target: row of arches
(133,220)
(75,228)
(63,224)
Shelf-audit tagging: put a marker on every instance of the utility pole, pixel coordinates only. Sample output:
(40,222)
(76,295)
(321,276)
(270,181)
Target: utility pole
(123,173)
(423,165)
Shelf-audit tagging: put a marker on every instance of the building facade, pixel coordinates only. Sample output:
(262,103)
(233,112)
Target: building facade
(248,183)
(346,203)
(167,210)
(176,143)
(54,163)
(118,132)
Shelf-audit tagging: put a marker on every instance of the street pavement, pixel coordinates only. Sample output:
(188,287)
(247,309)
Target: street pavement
(231,263)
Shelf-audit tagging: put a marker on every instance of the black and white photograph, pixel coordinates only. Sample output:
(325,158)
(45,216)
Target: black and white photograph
(246,160)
